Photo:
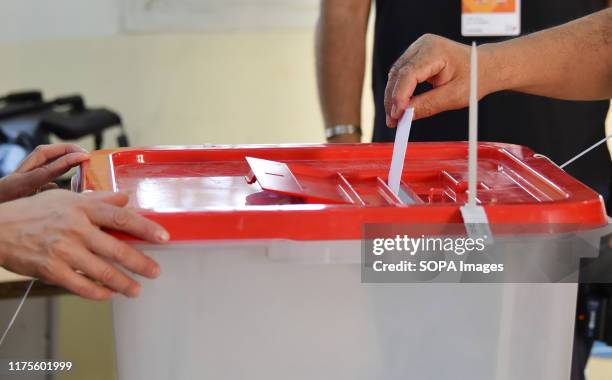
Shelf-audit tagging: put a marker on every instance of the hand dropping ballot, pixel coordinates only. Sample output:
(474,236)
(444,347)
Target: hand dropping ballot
(474,216)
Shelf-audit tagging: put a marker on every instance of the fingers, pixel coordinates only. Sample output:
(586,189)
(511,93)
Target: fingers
(49,186)
(433,59)
(435,101)
(25,183)
(391,122)
(65,257)
(82,286)
(102,271)
(121,253)
(71,242)
(112,198)
(392,79)
(415,71)
(41,175)
(45,153)
(105,214)
(59,273)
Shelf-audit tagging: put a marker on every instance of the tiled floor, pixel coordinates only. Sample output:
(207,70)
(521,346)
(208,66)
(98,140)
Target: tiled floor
(600,364)
(599,369)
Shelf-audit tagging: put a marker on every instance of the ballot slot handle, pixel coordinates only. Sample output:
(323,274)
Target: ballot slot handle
(387,193)
(407,195)
(349,190)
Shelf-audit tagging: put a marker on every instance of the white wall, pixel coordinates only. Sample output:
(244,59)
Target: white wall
(27,20)
(219,15)
(183,89)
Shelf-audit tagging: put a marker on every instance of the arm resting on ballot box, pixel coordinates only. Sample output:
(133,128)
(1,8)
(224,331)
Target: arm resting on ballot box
(340,57)
(572,61)
(56,236)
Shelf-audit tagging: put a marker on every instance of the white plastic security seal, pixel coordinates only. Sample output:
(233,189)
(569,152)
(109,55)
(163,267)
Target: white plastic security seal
(399,151)
(474,215)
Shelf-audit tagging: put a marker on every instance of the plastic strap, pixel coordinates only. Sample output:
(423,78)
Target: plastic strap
(16,313)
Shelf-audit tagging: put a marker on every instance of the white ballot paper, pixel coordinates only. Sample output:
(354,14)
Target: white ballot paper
(399,151)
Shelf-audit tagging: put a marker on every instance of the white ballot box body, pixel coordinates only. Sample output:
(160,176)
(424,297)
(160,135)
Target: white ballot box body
(299,310)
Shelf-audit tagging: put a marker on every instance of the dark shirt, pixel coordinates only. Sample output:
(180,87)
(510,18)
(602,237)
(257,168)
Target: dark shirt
(558,129)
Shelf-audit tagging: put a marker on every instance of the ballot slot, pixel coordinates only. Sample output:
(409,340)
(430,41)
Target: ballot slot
(373,190)
(314,185)
(407,195)
(310,184)
(456,186)
(437,195)
(386,193)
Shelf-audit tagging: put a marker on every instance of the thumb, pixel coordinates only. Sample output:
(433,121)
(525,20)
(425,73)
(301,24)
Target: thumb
(109,197)
(41,175)
(434,101)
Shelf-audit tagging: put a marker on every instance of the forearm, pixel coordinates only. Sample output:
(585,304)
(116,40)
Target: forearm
(572,61)
(340,55)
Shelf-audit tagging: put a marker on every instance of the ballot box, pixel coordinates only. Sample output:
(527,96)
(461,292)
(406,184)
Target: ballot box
(263,277)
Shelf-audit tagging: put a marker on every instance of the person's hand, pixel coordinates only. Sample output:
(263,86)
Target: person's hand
(43,165)
(55,236)
(444,64)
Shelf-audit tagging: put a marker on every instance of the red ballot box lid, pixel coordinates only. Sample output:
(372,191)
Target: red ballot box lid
(328,192)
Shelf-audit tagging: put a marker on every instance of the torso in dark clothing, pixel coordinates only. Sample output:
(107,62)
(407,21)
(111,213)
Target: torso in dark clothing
(555,128)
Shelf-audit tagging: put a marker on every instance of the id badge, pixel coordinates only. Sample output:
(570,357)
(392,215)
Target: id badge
(490,18)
